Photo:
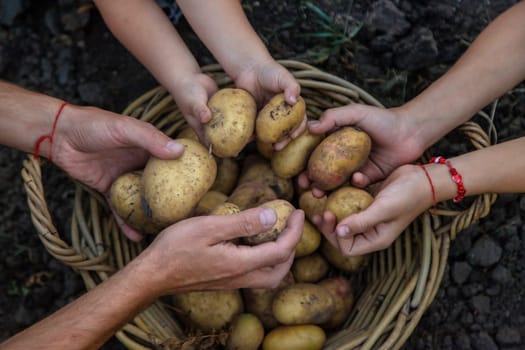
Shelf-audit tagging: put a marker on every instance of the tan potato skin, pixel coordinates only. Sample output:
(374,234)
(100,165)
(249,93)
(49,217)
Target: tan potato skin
(209,310)
(247,333)
(251,194)
(171,188)
(225,208)
(264,149)
(348,200)
(303,303)
(208,202)
(311,268)
(283,209)
(258,301)
(312,205)
(188,133)
(310,240)
(345,263)
(278,119)
(259,169)
(227,174)
(338,156)
(343,295)
(125,198)
(233,121)
(301,337)
(292,159)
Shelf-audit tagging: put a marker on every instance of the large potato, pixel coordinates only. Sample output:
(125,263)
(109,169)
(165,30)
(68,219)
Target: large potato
(301,337)
(258,301)
(345,263)
(311,268)
(292,159)
(341,290)
(338,156)
(303,303)
(171,188)
(310,240)
(227,175)
(247,333)
(278,119)
(125,198)
(209,310)
(233,121)
(283,209)
(348,200)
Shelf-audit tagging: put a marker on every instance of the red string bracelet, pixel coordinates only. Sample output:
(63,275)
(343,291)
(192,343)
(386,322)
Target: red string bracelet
(456,177)
(49,136)
(430,183)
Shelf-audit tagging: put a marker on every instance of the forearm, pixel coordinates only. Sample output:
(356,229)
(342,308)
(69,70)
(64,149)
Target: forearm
(496,169)
(92,319)
(229,36)
(144,29)
(492,65)
(24,117)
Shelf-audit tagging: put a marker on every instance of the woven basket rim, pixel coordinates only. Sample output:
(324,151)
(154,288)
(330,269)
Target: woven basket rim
(411,269)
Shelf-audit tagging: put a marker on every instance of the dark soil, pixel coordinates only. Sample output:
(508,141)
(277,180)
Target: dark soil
(392,49)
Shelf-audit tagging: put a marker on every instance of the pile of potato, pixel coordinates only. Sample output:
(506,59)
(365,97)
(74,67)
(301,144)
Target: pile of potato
(239,171)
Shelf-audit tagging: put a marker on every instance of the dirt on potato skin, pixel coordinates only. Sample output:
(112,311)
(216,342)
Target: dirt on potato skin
(397,48)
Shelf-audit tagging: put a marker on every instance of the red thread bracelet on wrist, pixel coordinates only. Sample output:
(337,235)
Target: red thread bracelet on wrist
(49,136)
(434,202)
(456,177)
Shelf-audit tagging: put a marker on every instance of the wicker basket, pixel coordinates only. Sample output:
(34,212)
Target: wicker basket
(393,292)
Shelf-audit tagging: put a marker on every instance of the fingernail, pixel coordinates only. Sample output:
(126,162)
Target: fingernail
(174,147)
(293,99)
(267,217)
(343,231)
(313,123)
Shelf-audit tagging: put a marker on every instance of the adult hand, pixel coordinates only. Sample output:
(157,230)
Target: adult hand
(180,256)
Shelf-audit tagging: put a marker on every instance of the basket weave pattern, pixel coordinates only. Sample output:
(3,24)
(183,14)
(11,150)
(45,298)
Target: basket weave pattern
(392,293)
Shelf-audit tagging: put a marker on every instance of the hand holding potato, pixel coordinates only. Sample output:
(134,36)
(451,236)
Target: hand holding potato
(202,240)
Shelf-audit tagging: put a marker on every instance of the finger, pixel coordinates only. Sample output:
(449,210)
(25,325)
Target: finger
(336,117)
(300,129)
(133,132)
(268,277)
(367,174)
(328,222)
(360,244)
(129,232)
(201,112)
(360,179)
(291,88)
(247,223)
(317,192)
(302,181)
(281,144)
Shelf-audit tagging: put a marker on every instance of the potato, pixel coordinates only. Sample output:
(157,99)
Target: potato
(264,149)
(283,209)
(188,133)
(171,188)
(310,240)
(348,200)
(341,290)
(312,205)
(278,119)
(301,337)
(343,262)
(209,310)
(259,169)
(303,303)
(233,121)
(125,198)
(247,333)
(311,268)
(258,301)
(227,175)
(208,202)
(251,194)
(292,159)
(338,156)
(225,208)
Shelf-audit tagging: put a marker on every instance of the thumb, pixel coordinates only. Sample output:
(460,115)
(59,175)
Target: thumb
(361,222)
(144,135)
(246,223)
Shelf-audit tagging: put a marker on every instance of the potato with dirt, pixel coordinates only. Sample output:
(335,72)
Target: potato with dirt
(348,200)
(208,202)
(247,333)
(171,188)
(310,240)
(342,292)
(311,204)
(303,303)
(310,268)
(283,209)
(337,157)
(125,198)
(227,174)
(345,263)
(300,337)
(251,194)
(277,119)
(232,123)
